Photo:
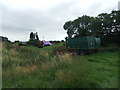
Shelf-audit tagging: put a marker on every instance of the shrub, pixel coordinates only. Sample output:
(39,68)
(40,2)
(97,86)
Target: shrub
(7,45)
(31,42)
(59,50)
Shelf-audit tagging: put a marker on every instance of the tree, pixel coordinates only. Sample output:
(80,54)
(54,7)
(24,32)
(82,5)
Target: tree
(78,27)
(34,39)
(69,27)
(32,36)
(37,36)
(106,26)
(84,23)
(95,27)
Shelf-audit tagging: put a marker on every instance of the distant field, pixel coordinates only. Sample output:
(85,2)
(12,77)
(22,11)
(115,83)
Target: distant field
(32,67)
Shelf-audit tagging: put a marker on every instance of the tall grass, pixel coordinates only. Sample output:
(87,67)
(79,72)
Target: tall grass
(30,67)
(21,57)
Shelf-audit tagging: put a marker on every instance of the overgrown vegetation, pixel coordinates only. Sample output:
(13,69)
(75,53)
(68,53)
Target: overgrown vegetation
(105,25)
(32,67)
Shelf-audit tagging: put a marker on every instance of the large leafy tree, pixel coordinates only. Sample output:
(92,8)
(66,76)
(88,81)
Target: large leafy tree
(106,26)
(116,25)
(84,25)
(105,23)
(78,27)
(95,27)
(69,27)
(116,20)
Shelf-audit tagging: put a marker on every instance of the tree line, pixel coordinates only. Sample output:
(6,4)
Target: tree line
(105,25)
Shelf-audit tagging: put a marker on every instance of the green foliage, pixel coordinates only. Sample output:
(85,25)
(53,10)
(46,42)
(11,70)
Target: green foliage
(16,41)
(30,42)
(105,26)
(32,36)
(7,45)
(21,57)
(34,40)
(60,49)
(32,67)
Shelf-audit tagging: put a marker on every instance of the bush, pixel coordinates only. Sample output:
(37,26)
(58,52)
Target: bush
(31,42)
(59,50)
(7,45)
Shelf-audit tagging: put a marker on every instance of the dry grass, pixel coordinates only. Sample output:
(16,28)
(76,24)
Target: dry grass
(26,69)
(65,57)
(47,65)
(33,67)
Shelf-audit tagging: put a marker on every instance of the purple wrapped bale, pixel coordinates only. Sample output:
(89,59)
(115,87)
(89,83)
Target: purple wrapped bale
(46,43)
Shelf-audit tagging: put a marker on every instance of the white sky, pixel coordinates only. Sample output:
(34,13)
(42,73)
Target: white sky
(47,17)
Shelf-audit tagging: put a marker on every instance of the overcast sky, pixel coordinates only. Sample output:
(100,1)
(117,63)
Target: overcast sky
(20,17)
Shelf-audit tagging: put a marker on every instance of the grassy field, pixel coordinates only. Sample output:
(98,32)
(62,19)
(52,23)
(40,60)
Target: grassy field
(32,67)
